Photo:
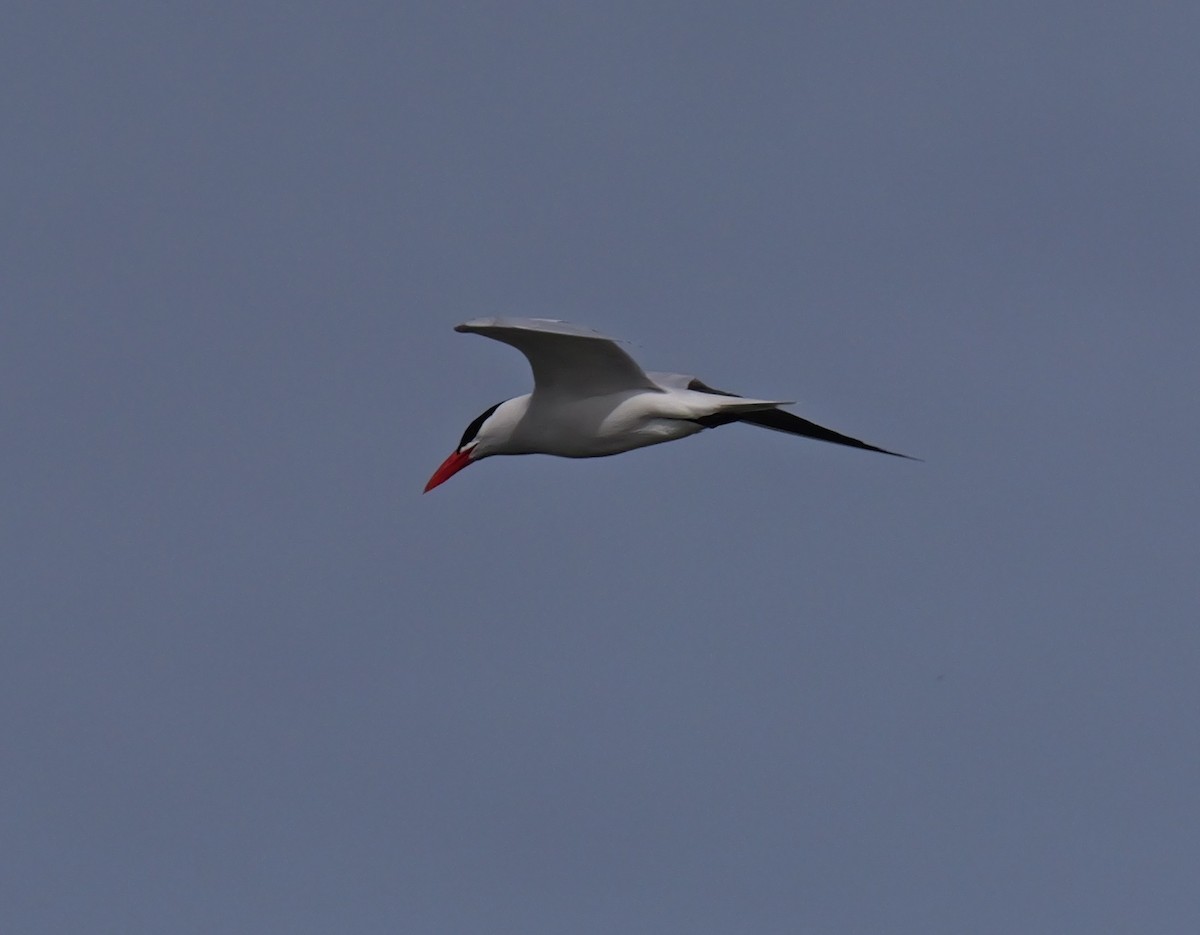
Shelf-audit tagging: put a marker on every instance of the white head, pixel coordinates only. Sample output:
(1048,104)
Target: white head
(488,434)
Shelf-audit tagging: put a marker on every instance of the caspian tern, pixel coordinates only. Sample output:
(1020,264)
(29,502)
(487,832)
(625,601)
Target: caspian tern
(591,399)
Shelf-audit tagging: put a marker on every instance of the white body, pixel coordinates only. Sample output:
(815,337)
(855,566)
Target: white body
(594,426)
(591,399)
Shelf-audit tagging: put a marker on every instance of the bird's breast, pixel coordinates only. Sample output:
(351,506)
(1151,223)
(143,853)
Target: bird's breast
(599,426)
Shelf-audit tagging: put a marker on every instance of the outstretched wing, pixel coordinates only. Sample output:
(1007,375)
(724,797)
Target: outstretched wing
(567,360)
(779,420)
(782,421)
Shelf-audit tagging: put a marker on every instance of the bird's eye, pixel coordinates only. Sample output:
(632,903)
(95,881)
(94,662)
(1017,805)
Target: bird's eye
(475,426)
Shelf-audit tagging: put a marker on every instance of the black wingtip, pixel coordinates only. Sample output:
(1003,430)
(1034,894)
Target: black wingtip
(896,454)
(855,443)
(782,421)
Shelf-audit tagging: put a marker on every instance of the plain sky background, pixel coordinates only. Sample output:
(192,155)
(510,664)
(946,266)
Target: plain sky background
(251,681)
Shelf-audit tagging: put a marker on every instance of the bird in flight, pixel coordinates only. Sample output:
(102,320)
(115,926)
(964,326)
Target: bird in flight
(590,399)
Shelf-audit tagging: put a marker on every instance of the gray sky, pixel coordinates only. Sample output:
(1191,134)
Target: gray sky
(252,681)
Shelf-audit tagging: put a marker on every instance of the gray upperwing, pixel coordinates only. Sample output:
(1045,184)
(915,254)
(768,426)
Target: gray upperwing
(566,360)
(685,381)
